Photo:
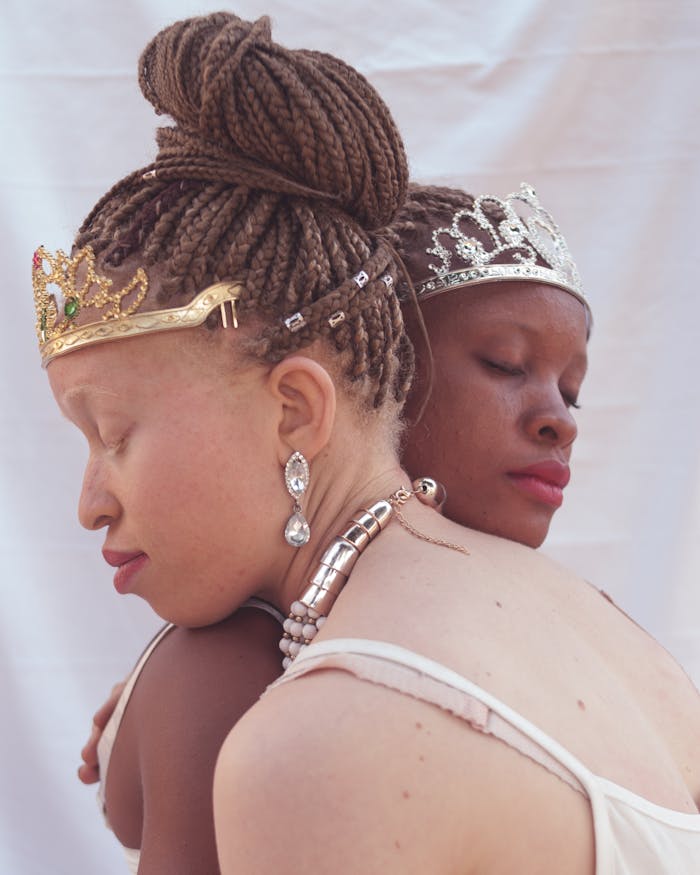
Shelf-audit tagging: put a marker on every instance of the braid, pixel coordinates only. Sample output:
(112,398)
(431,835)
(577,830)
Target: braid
(425,204)
(282,171)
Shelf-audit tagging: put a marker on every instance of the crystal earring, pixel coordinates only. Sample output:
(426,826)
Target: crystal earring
(296,476)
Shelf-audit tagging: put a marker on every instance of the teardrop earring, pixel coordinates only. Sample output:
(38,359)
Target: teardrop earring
(296,476)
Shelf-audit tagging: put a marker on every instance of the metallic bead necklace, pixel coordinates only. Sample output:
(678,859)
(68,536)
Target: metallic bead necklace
(308,614)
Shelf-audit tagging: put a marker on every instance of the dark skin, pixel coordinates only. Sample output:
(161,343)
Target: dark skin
(489,377)
(504,355)
(197,684)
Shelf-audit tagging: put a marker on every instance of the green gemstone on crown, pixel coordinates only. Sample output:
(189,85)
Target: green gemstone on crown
(71,308)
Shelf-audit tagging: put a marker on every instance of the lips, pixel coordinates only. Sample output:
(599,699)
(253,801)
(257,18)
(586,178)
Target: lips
(543,481)
(127,565)
(551,471)
(115,558)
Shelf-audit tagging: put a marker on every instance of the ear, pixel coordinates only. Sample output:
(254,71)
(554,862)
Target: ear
(306,396)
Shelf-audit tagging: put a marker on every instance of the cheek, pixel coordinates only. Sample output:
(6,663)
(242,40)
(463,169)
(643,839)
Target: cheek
(485,405)
(209,480)
(469,424)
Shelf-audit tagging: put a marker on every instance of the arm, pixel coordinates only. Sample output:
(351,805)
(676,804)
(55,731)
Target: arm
(193,689)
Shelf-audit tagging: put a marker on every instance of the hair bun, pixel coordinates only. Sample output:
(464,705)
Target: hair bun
(294,121)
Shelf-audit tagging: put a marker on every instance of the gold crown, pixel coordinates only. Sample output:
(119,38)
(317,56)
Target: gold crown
(59,297)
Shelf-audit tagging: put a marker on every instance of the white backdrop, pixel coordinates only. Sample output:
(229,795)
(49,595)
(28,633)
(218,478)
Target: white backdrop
(596,103)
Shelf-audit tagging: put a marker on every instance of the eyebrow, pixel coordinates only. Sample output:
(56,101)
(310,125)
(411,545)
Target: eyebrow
(77,394)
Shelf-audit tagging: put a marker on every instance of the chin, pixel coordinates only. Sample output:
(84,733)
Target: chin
(530,531)
(533,538)
(532,535)
(187,618)
(528,528)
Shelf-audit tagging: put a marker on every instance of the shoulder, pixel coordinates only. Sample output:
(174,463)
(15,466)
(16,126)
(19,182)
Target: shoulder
(238,657)
(192,690)
(195,686)
(322,760)
(355,777)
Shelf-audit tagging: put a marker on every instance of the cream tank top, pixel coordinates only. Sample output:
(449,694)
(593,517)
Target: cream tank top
(633,836)
(106,742)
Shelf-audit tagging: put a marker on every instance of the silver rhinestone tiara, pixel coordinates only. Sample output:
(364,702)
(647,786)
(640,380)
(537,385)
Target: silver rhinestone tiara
(523,243)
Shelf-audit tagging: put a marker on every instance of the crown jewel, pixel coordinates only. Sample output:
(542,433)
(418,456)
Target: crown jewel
(68,286)
(501,239)
(59,296)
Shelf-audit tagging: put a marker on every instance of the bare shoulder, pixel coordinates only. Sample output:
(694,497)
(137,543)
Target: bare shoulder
(193,689)
(330,765)
(232,662)
(352,777)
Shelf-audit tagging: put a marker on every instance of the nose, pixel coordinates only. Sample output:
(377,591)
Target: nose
(551,421)
(98,506)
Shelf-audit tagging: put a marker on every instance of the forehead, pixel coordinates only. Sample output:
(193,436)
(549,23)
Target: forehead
(533,308)
(134,368)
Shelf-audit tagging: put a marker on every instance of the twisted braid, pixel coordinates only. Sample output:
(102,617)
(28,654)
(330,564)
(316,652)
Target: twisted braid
(426,208)
(282,171)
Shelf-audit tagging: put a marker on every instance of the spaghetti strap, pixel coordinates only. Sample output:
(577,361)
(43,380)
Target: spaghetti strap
(262,605)
(424,679)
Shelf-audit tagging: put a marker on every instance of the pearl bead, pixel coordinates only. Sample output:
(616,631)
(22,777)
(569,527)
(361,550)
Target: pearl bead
(295,630)
(294,647)
(309,630)
(287,625)
(286,662)
(284,645)
(298,609)
(320,622)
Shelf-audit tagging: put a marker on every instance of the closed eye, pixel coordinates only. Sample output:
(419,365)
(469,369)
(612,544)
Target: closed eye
(115,445)
(503,368)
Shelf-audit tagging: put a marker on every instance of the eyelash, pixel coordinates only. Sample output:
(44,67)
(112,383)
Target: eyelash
(513,371)
(115,446)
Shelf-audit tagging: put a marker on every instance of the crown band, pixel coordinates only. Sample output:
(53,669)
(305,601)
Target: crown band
(56,310)
(189,316)
(494,273)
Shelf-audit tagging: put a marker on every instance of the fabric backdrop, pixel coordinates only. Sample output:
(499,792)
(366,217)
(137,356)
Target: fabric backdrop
(595,103)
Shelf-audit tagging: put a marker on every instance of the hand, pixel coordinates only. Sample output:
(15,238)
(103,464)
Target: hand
(89,771)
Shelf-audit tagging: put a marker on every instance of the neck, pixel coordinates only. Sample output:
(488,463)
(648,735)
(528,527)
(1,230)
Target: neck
(337,493)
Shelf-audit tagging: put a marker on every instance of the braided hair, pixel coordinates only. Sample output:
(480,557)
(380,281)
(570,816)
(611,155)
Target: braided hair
(282,170)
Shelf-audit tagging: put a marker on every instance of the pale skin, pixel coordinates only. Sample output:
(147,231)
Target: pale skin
(459,323)
(349,777)
(308,403)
